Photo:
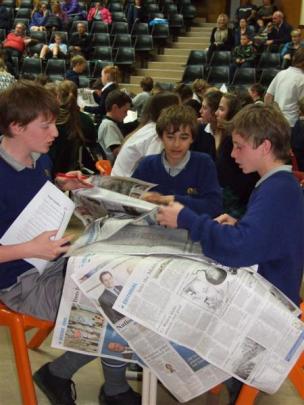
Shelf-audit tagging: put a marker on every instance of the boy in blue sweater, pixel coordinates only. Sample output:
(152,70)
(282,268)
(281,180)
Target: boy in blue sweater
(28,123)
(187,177)
(271,232)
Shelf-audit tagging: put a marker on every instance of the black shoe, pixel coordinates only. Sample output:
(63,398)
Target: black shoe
(59,391)
(129,397)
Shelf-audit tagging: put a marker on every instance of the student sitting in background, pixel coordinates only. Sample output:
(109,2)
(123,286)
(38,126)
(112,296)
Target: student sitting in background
(181,175)
(78,66)
(290,48)
(140,100)
(99,13)
(57,49)
(109,135)
(243,55)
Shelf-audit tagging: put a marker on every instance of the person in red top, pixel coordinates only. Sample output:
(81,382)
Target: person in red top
(99,13)
(16,41)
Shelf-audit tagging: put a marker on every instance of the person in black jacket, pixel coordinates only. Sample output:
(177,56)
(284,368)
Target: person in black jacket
(80,41)
(221,36)
(110,76)
(4,17)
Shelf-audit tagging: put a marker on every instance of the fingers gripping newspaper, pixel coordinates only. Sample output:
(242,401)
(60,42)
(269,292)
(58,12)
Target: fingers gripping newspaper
(176,309)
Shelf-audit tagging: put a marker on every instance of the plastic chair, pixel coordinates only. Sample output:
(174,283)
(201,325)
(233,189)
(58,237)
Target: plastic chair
(104,167)
(244,76)
(267,76)
(197,57)
(18,324)
(31,66)
(55,69)
(269,60)
(220,58)
(101,39)
(192,72)
(218,75)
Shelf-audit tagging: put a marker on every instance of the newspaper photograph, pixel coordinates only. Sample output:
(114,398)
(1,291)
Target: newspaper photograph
(181,370)
(81,328)
(233,319)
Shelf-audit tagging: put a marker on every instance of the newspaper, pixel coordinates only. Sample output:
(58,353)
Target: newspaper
(111,195)
(80,327)
(181,370)
(234,319)
(192,321)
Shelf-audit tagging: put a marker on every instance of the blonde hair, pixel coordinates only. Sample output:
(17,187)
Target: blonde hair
(113,72)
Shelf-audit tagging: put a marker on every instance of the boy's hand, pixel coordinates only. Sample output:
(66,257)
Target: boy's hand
(72,180)
(167,215)
(45,247)
(157,198)
(225,219)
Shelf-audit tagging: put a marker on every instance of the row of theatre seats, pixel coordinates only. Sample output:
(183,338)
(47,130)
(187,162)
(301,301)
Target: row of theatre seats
(177,14)
(217,70)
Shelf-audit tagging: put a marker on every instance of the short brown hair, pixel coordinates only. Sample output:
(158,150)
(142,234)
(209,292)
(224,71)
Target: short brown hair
(176,116)
(23,102)
(147,83)
(298,58)
(78,59)
(258,122)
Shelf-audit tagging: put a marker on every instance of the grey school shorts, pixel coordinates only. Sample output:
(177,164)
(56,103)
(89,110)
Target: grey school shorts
(35,294)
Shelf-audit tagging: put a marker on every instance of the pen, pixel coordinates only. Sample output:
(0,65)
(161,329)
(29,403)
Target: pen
(70,176)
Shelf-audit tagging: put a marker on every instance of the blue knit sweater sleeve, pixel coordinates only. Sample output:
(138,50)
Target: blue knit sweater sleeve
(270,234)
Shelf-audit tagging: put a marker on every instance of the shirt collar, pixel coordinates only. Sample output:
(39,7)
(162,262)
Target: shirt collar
(106,85)
(13,162)
(175,170)
(282,168)
(208,129)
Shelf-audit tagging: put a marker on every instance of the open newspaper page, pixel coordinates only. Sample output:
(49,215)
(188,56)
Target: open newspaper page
(81,328)
(137,238)
(111,195)
(232,318)
(101,278)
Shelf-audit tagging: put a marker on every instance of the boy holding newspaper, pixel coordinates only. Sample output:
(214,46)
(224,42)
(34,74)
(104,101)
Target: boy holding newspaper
(271,232)
(27,121)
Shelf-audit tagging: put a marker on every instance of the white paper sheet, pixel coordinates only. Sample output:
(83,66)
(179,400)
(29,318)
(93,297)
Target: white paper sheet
(50,209)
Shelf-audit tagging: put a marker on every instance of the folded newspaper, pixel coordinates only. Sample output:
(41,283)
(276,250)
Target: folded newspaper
(111,196)
(193,322)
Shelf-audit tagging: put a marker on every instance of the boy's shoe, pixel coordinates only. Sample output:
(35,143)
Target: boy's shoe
(129,397)
(59,391)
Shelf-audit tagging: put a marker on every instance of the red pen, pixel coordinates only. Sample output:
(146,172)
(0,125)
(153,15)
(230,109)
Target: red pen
(70,176)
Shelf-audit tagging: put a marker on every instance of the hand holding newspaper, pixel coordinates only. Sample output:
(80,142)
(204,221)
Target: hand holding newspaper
(50,209)
(111,195)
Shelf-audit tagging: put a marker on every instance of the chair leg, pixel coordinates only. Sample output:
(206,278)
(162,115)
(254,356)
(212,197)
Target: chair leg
(22,362)
(39,337)
(247,395)
(296,376)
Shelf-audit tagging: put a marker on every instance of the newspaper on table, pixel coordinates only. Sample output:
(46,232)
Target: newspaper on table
(234,319)
(181,370)
(167,293)
(110,196)
(81,328)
